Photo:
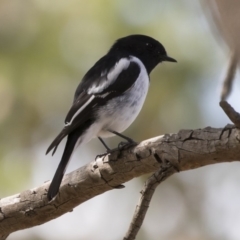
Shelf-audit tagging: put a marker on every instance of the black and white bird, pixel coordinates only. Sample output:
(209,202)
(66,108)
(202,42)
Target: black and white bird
(109,97)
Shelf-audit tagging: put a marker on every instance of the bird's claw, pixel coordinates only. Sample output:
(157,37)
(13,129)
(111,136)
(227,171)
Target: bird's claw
(121,146)
(126,145)
(101,155)
(109,151)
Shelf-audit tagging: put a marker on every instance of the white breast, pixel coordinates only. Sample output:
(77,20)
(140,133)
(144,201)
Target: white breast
(120,112)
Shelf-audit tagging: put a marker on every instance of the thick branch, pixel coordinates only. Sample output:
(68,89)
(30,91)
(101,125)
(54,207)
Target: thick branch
(185,150)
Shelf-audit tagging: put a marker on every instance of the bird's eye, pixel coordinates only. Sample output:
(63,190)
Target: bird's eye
(149,46)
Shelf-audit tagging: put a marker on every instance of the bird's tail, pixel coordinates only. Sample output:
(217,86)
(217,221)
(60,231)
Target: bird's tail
(57,179)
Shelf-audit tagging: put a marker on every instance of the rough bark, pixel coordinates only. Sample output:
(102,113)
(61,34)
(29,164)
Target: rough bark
(188,149)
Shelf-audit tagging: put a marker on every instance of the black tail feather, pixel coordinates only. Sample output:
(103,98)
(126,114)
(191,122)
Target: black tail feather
(70,145)
(57,179)
(56,142)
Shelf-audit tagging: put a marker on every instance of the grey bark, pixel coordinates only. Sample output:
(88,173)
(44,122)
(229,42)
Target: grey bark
(188,149)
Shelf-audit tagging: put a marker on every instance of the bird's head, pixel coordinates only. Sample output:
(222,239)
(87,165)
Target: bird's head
(148,50)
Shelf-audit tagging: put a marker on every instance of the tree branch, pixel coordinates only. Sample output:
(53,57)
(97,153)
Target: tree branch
(228,80)
(231,113)
(147,193)
(185,150)
(226,90)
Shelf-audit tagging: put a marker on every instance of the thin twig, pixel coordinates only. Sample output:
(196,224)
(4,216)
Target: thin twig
(227,83)
(231,113)
(226,89)
(146,195)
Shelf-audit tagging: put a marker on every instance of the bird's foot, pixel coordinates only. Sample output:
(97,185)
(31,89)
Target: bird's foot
(126,145)
(121,146)
(109,151)
(101,155)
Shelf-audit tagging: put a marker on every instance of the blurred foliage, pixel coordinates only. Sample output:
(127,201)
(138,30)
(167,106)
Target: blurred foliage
(47,46)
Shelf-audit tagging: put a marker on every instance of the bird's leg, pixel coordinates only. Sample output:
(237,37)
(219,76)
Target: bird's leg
(121,146)
(122,136)
(109,150)
(130,142)
(105,145)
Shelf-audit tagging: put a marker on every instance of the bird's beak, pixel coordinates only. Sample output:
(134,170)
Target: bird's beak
(168,59)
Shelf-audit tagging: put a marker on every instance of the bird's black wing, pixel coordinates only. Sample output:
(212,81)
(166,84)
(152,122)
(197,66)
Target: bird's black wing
(77,118)
(108,78)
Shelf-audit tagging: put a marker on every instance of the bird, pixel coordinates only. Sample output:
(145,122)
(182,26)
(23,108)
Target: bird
(109,97)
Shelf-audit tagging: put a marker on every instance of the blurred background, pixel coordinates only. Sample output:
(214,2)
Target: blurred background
(45,49)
